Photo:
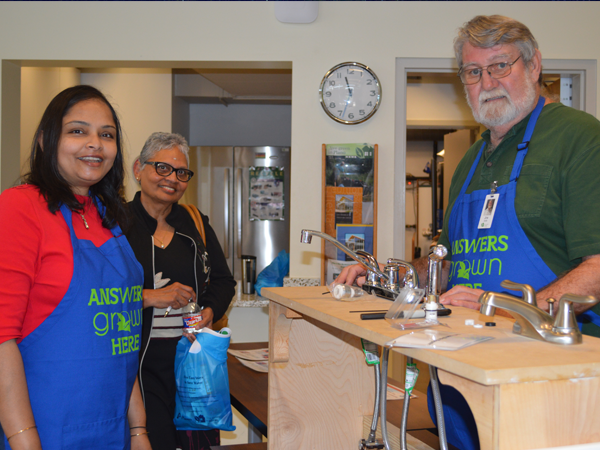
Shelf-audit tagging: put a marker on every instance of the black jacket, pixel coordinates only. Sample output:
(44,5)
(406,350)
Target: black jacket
(217,294)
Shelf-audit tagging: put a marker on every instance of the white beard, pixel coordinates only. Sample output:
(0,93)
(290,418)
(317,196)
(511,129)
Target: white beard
(501,112)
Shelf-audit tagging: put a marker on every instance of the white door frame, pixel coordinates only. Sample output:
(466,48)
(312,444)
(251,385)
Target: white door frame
(583,72)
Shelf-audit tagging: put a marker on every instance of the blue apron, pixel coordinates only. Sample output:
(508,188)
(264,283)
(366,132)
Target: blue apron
(81,362)
(483,258)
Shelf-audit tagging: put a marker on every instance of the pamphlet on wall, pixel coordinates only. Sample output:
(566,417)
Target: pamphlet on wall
(355,237)
(266,193)
(437,340)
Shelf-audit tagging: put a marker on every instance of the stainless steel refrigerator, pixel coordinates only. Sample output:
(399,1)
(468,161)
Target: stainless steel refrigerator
(245,191)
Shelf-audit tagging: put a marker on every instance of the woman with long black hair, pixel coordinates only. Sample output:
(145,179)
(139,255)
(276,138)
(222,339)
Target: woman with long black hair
(70,297)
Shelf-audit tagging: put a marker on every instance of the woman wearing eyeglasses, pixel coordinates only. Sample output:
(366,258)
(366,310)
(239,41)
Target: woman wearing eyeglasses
(177,269)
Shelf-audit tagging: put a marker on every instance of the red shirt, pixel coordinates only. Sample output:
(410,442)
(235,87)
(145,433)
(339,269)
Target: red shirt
(36,257)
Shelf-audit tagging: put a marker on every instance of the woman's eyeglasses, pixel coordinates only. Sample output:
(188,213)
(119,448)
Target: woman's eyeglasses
(164,170)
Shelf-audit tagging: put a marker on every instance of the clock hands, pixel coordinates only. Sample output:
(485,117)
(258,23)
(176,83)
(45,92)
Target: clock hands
(349,96)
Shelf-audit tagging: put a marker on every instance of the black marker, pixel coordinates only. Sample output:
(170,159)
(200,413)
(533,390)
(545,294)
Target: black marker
(418,314)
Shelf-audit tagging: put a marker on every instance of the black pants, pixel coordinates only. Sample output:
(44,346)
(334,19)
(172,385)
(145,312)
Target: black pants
(158,381)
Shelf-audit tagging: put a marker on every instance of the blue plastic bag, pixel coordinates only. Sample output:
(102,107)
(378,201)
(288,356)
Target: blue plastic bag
(273,274)
(202,400)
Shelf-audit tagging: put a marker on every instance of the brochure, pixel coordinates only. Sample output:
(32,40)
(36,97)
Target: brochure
(258,366)
(437,340)
(259,354)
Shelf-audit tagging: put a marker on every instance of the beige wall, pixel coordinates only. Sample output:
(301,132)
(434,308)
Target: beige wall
(375,33)
(39,85)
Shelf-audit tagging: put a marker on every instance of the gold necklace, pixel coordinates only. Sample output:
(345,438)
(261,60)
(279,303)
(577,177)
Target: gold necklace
(87,227)
(162,245)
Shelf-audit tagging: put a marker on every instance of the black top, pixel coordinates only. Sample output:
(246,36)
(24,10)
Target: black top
(211,264)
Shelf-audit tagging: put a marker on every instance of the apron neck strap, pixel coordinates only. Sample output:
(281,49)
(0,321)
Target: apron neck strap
(523,147)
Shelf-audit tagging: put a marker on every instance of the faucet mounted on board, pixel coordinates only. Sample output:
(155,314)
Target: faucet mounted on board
(534,322)
(386,283)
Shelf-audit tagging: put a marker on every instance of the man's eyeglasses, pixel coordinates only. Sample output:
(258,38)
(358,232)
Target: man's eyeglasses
(472,74)
(164,170)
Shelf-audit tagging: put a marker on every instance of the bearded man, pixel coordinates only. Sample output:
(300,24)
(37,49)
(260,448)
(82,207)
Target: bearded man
(539,160)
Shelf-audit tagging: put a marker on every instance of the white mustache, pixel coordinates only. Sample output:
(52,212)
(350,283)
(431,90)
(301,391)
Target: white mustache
(497,92)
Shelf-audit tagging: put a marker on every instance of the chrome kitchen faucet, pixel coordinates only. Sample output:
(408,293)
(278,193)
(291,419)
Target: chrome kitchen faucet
(533,322)
(386,283)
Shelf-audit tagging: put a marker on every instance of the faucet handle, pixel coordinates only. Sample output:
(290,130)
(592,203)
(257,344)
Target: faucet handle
(411,278)
(372,266)
(526,290)
(551,303)
(565,316)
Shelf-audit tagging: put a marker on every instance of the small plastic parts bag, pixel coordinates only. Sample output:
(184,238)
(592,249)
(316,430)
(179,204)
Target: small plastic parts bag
(345,292)
(406,307)
(202,399)
(274,273)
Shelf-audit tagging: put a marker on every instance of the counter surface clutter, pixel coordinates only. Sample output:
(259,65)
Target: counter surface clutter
(524,393)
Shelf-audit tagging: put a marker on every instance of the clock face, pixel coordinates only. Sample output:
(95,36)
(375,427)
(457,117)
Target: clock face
(350,93)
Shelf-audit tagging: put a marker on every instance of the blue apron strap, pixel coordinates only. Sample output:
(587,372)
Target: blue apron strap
(588,317)
(523,147)
(471,172)
(116,230)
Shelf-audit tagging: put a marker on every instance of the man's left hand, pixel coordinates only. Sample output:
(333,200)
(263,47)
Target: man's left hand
(462,296)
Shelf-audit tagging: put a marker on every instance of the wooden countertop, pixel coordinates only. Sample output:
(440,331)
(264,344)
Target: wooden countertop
(508,358)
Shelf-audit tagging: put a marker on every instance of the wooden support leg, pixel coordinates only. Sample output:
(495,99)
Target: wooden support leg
(483,404)
(319,389)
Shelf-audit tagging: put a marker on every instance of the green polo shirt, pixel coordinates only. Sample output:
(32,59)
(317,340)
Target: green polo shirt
(558,192)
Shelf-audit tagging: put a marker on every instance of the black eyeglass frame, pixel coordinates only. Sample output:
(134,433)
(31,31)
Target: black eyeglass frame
(460,72)
(173,169)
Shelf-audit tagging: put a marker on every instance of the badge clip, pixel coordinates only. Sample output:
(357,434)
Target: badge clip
(489,209)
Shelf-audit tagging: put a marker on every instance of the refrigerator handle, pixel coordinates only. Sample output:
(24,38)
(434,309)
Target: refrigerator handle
(238,209)
(226,215)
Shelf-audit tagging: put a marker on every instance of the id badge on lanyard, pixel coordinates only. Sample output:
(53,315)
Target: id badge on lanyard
(489,209)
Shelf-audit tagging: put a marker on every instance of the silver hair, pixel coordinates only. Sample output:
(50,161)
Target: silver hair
(488,31)
(163,141)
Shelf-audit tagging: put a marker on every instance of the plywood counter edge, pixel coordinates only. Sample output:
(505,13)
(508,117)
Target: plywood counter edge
(442,359)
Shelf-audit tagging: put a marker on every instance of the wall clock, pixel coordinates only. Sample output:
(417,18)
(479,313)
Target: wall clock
(350,93)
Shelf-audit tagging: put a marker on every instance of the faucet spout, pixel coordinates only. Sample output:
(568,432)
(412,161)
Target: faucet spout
(531,321)
(306,237)
(434,273)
